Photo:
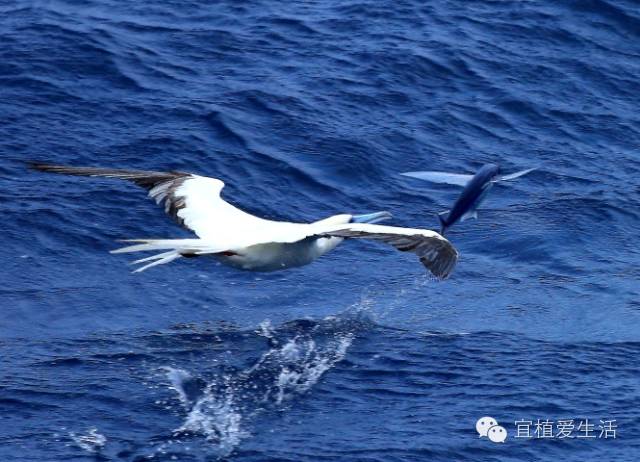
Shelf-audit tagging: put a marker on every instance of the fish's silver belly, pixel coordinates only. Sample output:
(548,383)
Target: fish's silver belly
(277,256)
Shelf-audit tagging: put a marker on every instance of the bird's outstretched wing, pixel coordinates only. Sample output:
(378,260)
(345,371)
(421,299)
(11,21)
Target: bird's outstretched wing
(192,200)
(436,253)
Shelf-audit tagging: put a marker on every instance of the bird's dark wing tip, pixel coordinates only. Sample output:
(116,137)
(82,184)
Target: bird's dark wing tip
(442,265)
(41,166)
(437,254)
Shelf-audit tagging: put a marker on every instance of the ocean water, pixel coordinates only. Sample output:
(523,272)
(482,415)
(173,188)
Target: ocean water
(307,109)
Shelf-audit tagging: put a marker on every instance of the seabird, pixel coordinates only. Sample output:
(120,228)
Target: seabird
(248,242)
(476,188)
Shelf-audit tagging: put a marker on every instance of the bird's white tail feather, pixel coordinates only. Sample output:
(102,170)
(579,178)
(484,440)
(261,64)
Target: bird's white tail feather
(160,259)
(178,247)
(185,245)
(153,257)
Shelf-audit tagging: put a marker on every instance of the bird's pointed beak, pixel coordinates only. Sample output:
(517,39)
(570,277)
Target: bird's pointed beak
(371,217)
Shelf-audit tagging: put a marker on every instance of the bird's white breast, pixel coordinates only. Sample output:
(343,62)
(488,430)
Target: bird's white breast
(276,256)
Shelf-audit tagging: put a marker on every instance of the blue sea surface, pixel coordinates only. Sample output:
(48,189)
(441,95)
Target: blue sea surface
(307,109)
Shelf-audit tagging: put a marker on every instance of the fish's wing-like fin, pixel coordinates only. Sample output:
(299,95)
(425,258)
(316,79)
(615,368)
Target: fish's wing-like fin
(457,179)
(471,214)
(515,175)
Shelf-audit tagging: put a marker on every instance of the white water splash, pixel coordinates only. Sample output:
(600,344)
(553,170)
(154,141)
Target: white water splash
(304,364)
(212,415)
(217,419)
(377,304)
(220,412)
(91,442)
(265,329)
(177,378)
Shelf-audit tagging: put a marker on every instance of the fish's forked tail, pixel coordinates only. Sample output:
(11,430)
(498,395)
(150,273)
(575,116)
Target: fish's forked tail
(175,248)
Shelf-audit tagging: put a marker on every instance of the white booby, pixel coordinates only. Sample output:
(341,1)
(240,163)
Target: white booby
(245,241)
